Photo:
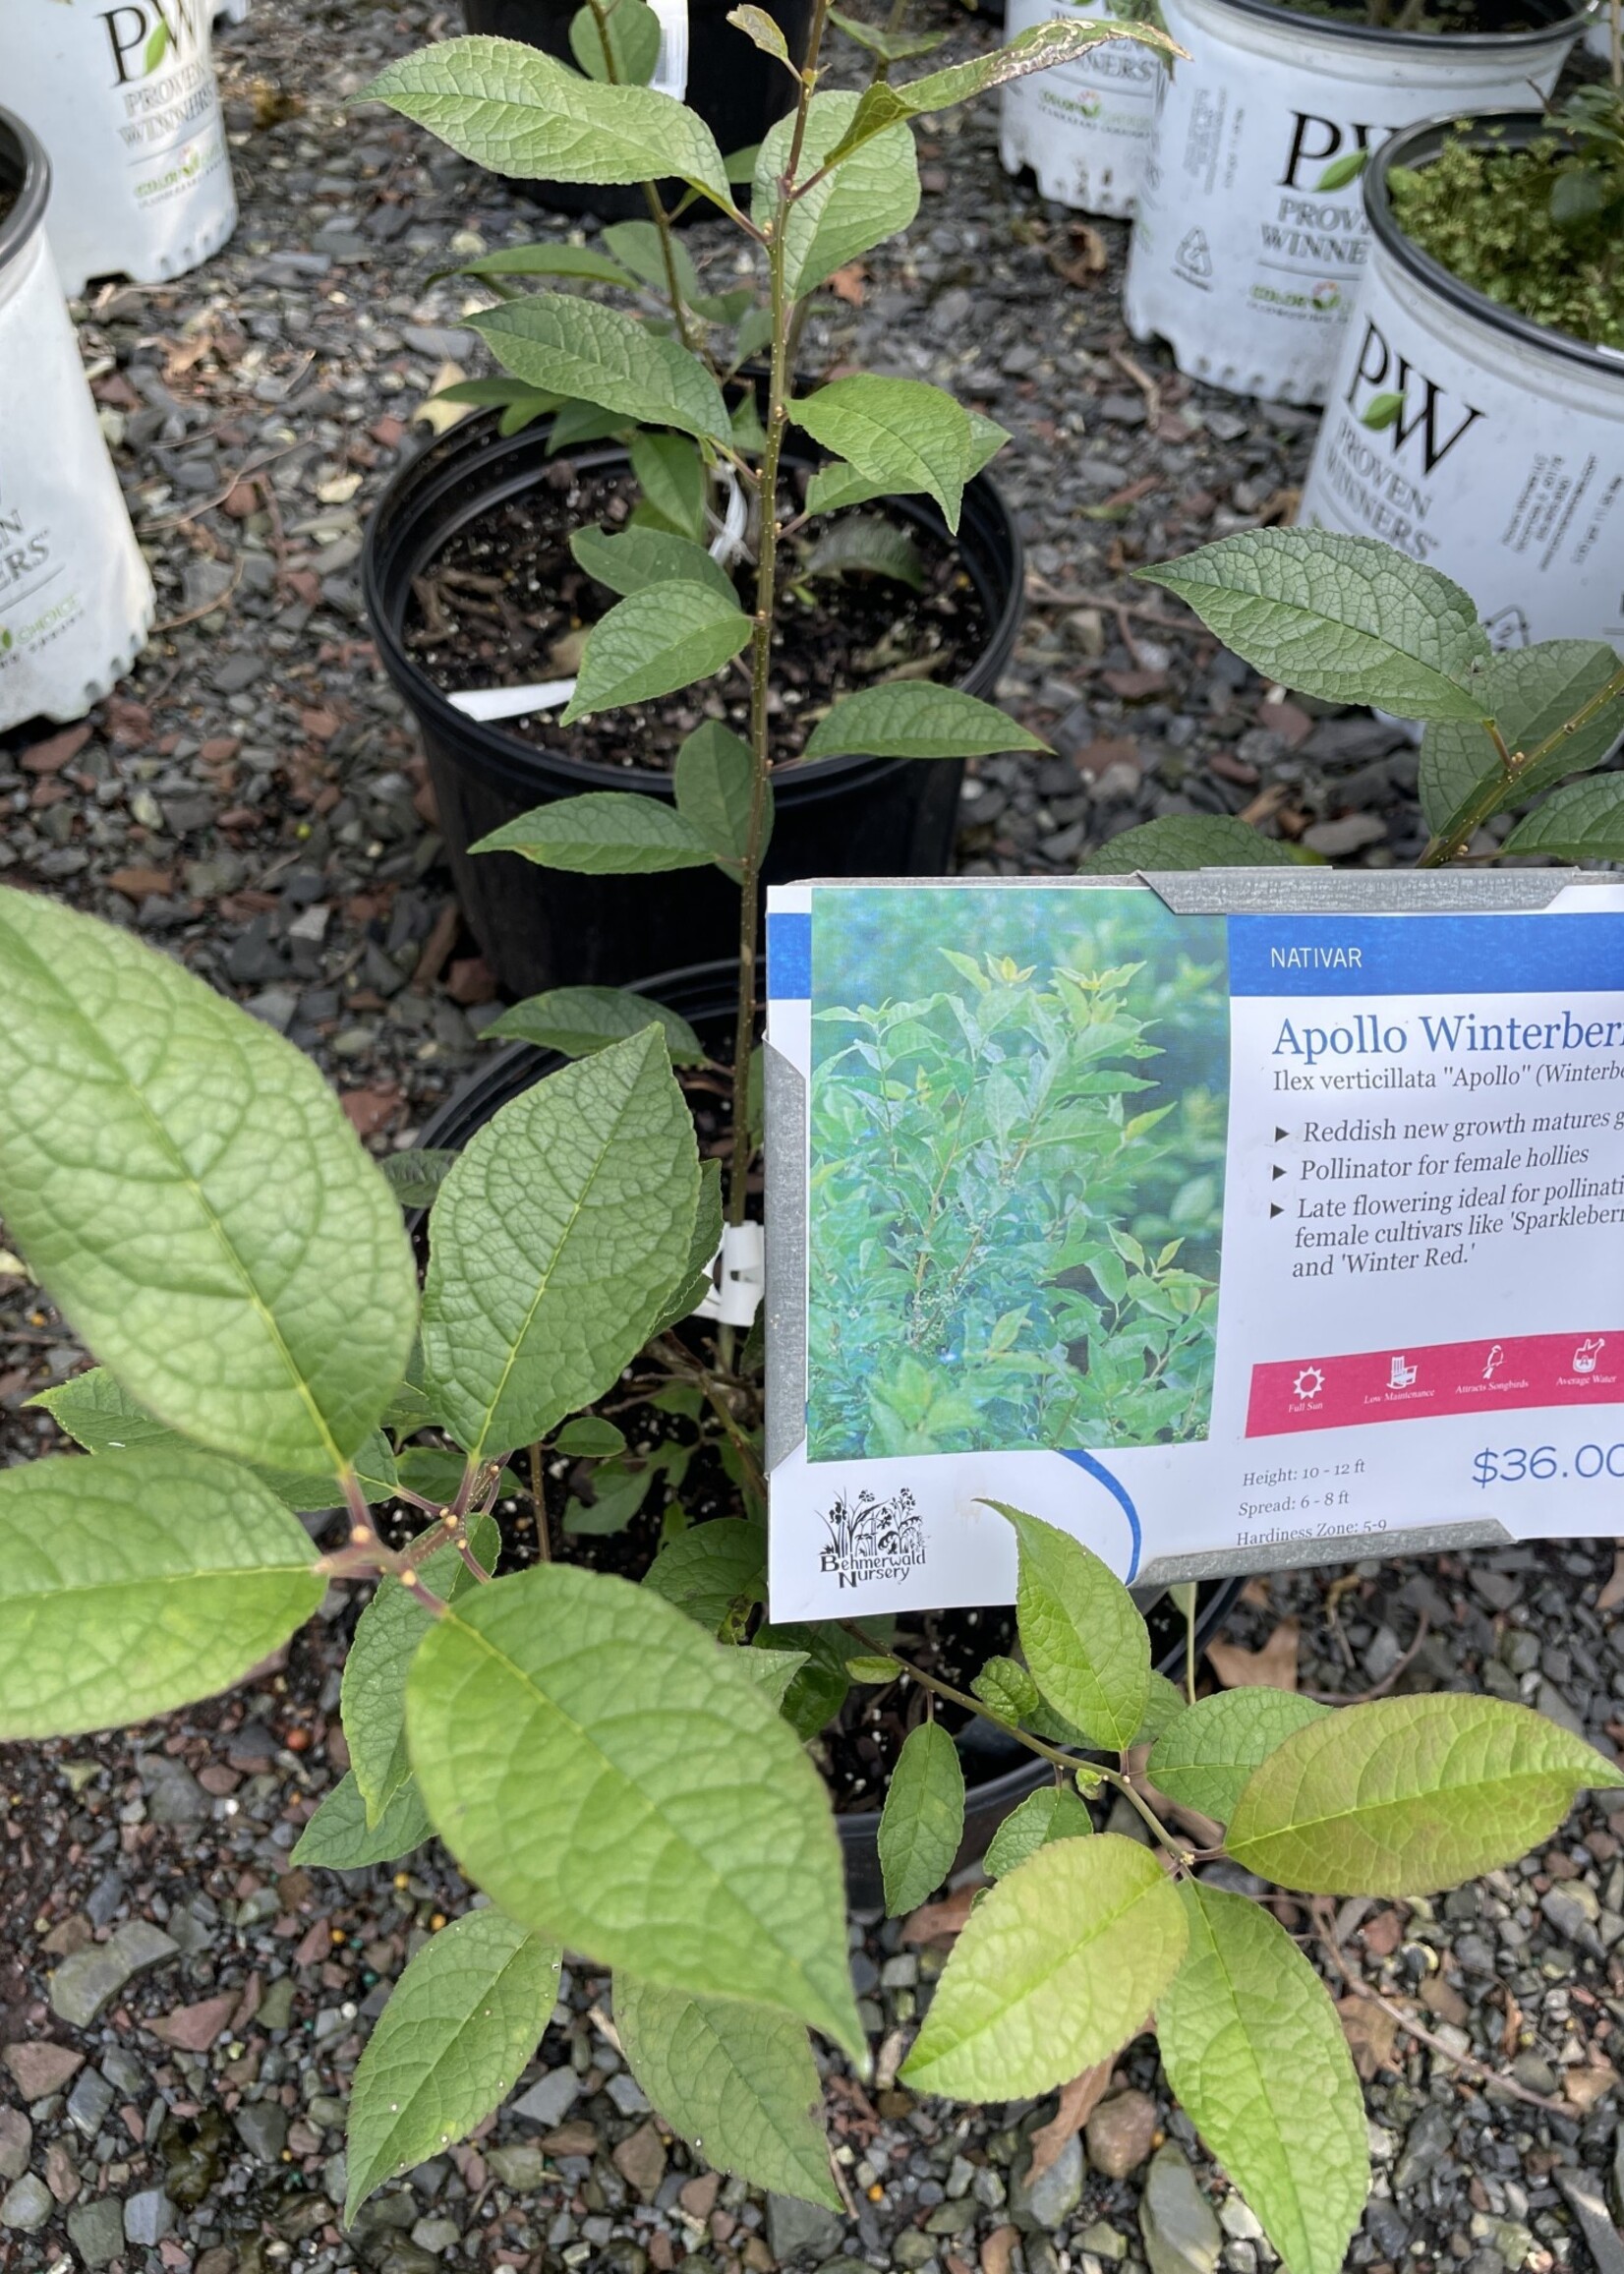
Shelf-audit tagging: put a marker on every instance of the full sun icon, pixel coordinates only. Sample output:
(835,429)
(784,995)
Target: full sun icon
(1308,1383)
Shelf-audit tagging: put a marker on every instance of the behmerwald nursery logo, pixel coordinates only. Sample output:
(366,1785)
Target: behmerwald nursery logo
(873,1540)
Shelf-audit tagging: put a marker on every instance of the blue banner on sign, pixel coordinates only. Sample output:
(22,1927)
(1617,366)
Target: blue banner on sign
(788,958)
(1498,954)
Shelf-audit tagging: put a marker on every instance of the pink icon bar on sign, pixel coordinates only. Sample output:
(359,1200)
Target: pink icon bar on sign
(1353,1388)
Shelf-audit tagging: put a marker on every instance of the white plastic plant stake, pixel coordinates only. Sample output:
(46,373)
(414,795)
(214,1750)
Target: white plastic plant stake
(124,100)
(671,69)
(1084,127)
(76,599)
(738,1277)
(1244,259)
(489,703)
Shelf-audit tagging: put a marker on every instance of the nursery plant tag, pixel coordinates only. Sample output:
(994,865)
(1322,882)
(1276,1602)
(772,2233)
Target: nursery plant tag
(1223,1221)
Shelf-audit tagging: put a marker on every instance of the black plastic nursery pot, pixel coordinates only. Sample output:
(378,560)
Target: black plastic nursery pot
(834,816)
(999,1773)
(738,91)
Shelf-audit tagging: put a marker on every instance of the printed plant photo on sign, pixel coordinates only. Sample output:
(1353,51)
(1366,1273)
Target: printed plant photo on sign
(1017,1178)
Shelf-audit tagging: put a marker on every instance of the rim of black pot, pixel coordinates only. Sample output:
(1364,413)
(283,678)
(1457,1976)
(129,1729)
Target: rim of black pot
(1417,145)
(440,464)
(25,168)
(1561,18)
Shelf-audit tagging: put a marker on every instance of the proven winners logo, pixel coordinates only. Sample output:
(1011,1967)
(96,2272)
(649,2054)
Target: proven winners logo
(873,1540)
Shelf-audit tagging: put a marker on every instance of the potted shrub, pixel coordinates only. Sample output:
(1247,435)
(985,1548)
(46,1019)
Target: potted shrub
(1477,417)
(888,557)
(1252,238)
(75,598)
(1084,129)
(124,102)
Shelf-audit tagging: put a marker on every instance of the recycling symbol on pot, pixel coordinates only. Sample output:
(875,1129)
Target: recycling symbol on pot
(1195,254)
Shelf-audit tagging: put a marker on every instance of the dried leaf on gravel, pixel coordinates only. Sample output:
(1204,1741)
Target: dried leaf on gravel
(940,1922)
(998,2250)
(1078,2103)
(1582,2087)
(1273,1667)
(1372,2033)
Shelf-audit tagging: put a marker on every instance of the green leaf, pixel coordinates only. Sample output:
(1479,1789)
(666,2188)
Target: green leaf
(416,1175)
(890,46)
(561,1690)
(1085,1640)
(915,719)
(694,1281)
(447,2048)
(589,1439)
(712,1570)
(632,46)
(871,1666)
(640,245)
(1582,822)
(136,1581)
(738,2084)
(95,1413)
(1531,693)
(1052,1813)
(872,197)
(156,48)
(1056,1968)
(1165,1702)
(183,1183)
(1255,2052)
(867,545)
(923,1819)
(337,1837)
(578,1021)
(757,26)
(1346,618)
(605,833)
(618,1490)
(100,1416)
(1342,171)
(837,485)
(1008,1689)
(599,355)
(1410,1794)
(635,559)
(1188,841)
(661,639)
(671,479)
(714,781)
(1061,40)
(772,1672)
(373,1697)
(581,262)
(580,423)
(1207,1758)
(552,1243)
(904,433)
(518,111)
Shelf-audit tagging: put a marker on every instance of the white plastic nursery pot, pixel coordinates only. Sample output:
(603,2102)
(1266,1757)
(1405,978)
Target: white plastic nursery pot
(1242,259)
(1084,127)
(1503,466)
(123,99)
(75,596)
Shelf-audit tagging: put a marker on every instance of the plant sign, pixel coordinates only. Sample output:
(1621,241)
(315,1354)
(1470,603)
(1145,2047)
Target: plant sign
(1220,1225)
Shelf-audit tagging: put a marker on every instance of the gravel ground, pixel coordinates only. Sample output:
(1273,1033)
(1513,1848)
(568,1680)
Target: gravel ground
(181,2007)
